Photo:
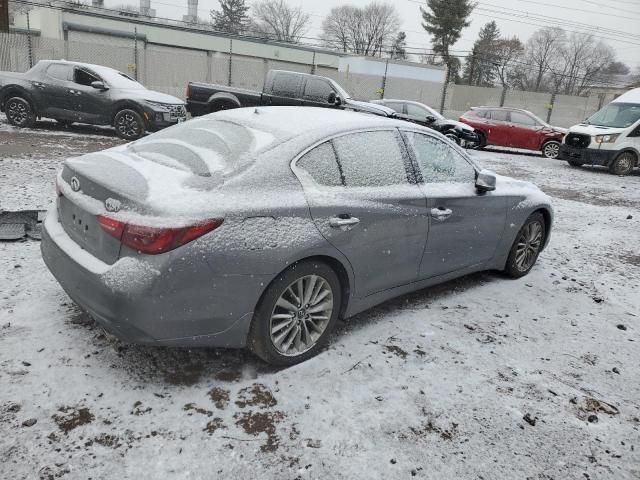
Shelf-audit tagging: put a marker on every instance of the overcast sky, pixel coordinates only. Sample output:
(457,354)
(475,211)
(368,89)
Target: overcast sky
(622,16)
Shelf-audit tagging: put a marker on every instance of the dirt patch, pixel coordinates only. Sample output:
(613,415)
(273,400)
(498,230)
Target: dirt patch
(397,351)
(588,406)
(228,376)
(429,427)
(110,441)
(72,417)
(138,409)
(219,397)
(261,422)
(186,375)
(213,425)
(191,407)
(592,197)
(257,395)
(630,259)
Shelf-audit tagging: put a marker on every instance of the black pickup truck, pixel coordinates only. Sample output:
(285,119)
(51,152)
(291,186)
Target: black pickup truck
(280,88)
(80,92)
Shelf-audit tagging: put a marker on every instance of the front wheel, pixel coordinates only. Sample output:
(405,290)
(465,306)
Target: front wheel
(623,164)
(296,314)
(480,143)
(551,150)
(527,246)
(453,137)
(19,112)
(129,124)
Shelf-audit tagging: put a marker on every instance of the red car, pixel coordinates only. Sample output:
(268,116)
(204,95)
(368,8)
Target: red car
(515,128)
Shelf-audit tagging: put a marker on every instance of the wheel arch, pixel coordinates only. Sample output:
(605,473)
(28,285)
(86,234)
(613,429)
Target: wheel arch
(10,91)
(625,150)
(126,105)
(548,222)
(221,98)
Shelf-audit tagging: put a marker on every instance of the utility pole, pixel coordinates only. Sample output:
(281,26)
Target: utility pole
(4,16)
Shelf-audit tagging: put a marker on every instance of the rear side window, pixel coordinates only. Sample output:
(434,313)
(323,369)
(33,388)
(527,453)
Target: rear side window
(499,115)
(321,164)
(317,90)
(478,113)
(371,159)
(59,71)
(286,85)
(439,162)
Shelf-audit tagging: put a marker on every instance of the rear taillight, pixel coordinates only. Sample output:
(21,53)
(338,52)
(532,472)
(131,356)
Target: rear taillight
(154,240)
(188,93)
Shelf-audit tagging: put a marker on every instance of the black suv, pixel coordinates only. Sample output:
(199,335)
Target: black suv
(80,92)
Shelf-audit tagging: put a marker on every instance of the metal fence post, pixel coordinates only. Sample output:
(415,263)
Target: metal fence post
(135,53)
(503,97)
(208,78)
(443,98)
(230,60)
(29,46)
(384,79)
(552,101)
(313,64)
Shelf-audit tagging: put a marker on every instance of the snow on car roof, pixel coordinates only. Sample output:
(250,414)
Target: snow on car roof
(632,96)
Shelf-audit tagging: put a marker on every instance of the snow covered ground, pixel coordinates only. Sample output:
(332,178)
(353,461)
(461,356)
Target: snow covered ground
(480,378)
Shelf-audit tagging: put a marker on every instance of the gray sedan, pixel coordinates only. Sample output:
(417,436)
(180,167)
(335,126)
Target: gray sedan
(261,227)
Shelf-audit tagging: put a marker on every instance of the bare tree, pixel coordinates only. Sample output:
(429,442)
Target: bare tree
(542,52)
(585,59)
(368,30)
(277,20)
(506,55)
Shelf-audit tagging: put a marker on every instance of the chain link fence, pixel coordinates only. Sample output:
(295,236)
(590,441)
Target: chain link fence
(168,69)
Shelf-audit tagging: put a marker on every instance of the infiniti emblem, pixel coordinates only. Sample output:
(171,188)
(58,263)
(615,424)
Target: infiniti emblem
(75,184)
(112,205)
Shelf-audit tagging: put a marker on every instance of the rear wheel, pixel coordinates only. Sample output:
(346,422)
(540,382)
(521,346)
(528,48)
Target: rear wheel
(527,246)
(623,164)
(129,124)
(480,143)
(296,314)
(19,112)
(551,149)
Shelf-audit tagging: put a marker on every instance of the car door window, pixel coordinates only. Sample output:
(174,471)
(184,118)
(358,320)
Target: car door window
(499,115)
(522,119)
(84,77)
(371,159)
(286,85)
(320,163)
(317,90)
(439,162)
(416,112)
(395,106)
(59,71)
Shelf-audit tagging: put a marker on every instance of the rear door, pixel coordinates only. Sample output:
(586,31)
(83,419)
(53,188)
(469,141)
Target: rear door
(524,131)
(498,131)
(316,92)
(89,104)
(466,226)
(55,88)
(283,88)
(365,202)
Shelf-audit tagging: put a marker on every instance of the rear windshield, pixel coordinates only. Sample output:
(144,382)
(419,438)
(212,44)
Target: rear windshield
(616,115)
(204,146)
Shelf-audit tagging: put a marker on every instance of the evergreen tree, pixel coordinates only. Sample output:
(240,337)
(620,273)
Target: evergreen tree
(444,20)
(232,17)
(399,48)
(479,69)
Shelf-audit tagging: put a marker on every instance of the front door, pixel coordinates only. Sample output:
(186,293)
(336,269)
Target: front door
(466,226)
(284,89)
(524,131)
(55,91)
(363,200)
(90,105)
(316,93)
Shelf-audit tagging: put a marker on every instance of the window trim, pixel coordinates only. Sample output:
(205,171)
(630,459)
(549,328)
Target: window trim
(414,160)
(409,167)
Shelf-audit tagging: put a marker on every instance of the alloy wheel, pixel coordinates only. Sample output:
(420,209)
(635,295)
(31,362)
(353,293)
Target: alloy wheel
(552,150)
(17,112)
(301,315)
(127,125)
(529,244)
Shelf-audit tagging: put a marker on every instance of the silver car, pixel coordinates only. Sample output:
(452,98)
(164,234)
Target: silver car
(261,227)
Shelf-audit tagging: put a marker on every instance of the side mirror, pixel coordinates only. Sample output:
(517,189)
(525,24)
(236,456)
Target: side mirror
(486,181)
(332,98)
(431,118)
(338,101)
(99,85)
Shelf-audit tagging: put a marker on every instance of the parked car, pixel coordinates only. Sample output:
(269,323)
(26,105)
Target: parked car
(260,227)
(281,88)
(422,114)
(80,92)
(610,137)
(515,128)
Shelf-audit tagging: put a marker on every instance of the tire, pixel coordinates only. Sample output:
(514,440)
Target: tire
(129,124)
(623,164)
(551,150)
(532,235)
(453,137)
(19,112)
(279,302)
(482,142)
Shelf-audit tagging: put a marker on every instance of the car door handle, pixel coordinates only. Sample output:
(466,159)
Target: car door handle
(74,92)
(38,85)
(441,213)
(338,222)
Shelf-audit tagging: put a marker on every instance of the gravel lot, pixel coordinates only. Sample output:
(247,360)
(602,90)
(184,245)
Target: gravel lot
(480,378)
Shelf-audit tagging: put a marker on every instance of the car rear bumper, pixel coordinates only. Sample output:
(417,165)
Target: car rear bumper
(154,308)
(590,156)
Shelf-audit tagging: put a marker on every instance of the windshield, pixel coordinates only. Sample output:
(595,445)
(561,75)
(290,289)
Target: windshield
(117,79)
(342,93)
(616,115)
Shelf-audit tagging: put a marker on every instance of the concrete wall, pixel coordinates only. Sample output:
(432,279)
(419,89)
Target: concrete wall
(396,69)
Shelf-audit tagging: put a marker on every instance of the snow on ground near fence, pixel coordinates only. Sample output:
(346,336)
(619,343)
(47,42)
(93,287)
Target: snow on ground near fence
(483,377)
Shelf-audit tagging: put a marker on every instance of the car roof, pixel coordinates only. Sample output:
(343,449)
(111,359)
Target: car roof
(90,66)
(511,109)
